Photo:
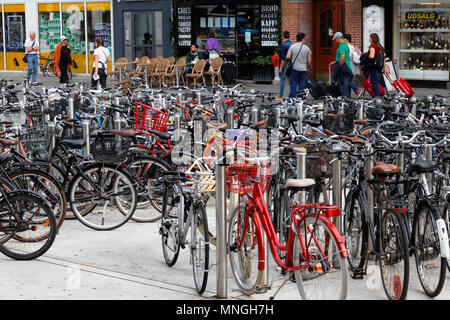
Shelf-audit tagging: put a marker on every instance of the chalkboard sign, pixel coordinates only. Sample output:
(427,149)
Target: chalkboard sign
(184,26)
(269,25)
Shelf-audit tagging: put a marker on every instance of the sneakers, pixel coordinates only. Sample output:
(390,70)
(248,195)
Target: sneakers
(279,98)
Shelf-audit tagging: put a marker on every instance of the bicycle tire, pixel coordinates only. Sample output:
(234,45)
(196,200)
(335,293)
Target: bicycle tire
(394,250)
(446,218)
(429,263)
(115,176)
(50,70)
(169,226)
(326,281)
(46,220)
(152,189)
(355,231)
(244,258)
(199,243)
(49,188)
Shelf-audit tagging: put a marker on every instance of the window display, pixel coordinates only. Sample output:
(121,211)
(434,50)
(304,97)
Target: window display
(15,36)
(424,40)
(49,27)
(74,29)
(98,25)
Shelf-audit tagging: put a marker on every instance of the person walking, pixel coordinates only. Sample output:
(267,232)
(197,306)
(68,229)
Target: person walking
(342,72)
(213,47)
(376,65)
(284,50)
(32,54)
(99,70)
(355,61)
(63,60)
(301,56)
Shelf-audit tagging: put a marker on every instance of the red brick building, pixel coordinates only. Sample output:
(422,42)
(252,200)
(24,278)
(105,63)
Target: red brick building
(319,19)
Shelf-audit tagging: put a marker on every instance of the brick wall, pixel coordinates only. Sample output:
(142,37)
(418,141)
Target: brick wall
(297,16)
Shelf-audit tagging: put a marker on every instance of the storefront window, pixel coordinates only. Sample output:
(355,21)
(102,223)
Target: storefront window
(15,36)
(49,27)
(99,25)
(424,40)
(74,29)
(2,56)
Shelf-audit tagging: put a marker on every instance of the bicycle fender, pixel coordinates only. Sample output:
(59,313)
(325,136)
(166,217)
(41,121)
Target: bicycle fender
(340,239)
(259,237)
(443,238)
(29,192)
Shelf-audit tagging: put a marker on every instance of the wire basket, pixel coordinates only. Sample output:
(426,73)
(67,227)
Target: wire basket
(339,123)
(240,178)
(36,140)
(109,148)
(148,118)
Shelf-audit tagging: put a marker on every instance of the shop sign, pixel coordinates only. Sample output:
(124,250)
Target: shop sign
(269,25)
(421,15)
(184,26)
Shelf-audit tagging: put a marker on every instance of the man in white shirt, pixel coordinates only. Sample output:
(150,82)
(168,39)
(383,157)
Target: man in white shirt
(32,52)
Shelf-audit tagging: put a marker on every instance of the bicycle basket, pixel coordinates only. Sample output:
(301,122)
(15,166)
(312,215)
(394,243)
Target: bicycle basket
(36,140)
(109,148)
(240,178)
(148,118)
(319,168)
(339,123)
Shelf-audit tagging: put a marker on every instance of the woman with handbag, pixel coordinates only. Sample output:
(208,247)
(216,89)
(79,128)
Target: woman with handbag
(99,70)
(299,58)
(376,63)
(62,60)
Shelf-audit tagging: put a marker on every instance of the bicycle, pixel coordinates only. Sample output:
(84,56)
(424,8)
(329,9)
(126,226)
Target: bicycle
(47,67)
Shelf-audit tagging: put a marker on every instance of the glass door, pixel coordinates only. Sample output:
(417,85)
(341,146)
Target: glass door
(141,34)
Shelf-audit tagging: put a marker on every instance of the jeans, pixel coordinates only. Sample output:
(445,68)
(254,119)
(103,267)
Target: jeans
(354,87)
(103,76)
(33,66)
(298,82)
(282,84)
(374,75)
(344,84)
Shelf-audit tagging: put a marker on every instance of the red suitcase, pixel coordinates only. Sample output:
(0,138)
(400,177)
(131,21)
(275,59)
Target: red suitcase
(368,87)
(403,86)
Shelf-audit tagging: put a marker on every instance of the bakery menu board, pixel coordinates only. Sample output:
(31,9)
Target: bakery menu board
(269,25)
(184,26)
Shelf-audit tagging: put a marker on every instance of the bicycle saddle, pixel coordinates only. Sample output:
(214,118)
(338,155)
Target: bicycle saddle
(424,166)
(73,143)
(9,142)
(217,126)
(299,183)
(5,158)
(385,169)
(124,133)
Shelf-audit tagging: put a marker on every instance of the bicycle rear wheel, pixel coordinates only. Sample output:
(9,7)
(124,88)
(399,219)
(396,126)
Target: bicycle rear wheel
(431,267)
(200,248)
(33,236)
(394,263)
(244,251)
(325,277)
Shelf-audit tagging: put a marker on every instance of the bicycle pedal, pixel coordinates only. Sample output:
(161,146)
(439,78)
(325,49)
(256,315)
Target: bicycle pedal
(261,289)
(358,274)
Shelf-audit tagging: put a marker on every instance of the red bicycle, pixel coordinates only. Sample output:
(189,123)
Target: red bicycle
(315,251)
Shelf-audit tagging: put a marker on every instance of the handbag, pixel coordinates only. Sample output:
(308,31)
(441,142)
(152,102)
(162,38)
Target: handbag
(25,58)
(290,65)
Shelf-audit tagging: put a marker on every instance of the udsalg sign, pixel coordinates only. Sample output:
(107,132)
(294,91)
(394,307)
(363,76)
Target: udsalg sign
(421,15)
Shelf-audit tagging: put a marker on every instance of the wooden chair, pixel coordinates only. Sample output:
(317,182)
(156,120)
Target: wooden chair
(197,72)
(141,64)
(171,72)
(120,68)
(171,60)
(159,72)
(214,72)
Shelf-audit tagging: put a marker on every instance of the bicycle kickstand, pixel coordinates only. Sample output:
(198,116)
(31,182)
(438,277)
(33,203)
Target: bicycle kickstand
(287,278)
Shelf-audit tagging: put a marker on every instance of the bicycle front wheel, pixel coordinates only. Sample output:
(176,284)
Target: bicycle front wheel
(245,249)
(27,226)
(431,267)
(200,248)
(322,273)
(169,225)
(105,186)
(394,262)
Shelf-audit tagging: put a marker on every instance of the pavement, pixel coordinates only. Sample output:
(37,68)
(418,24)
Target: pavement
(128,264)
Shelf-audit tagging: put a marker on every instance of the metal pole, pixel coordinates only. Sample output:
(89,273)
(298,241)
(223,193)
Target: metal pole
(369,192)
(277,116)
(70,112)
(301,172)
(230,118)
(337,188)
(178,80)
(429,156)
(221,229)
(177,126)
(86,135)
(300,118)
(51,128)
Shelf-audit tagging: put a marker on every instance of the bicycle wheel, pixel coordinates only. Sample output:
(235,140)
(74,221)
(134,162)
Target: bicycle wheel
(106,186)
(169,225)
(146,171)
(325,277)
(355,231)
(446,217)
(69,72)
(27,226)
(431,267)
(394,263)
(245,250)
(51,72)
(45,185)
(200,248)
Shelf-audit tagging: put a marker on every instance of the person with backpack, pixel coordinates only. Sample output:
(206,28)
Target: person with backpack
(284,50)
(376,63)
(300,58)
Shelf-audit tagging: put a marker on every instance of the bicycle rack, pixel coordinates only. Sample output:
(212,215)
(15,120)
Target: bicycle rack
(301,173)
(230,118)
(428,156)
(221,230)
(337,188)
(86,134)
(369,191)
(70,113)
